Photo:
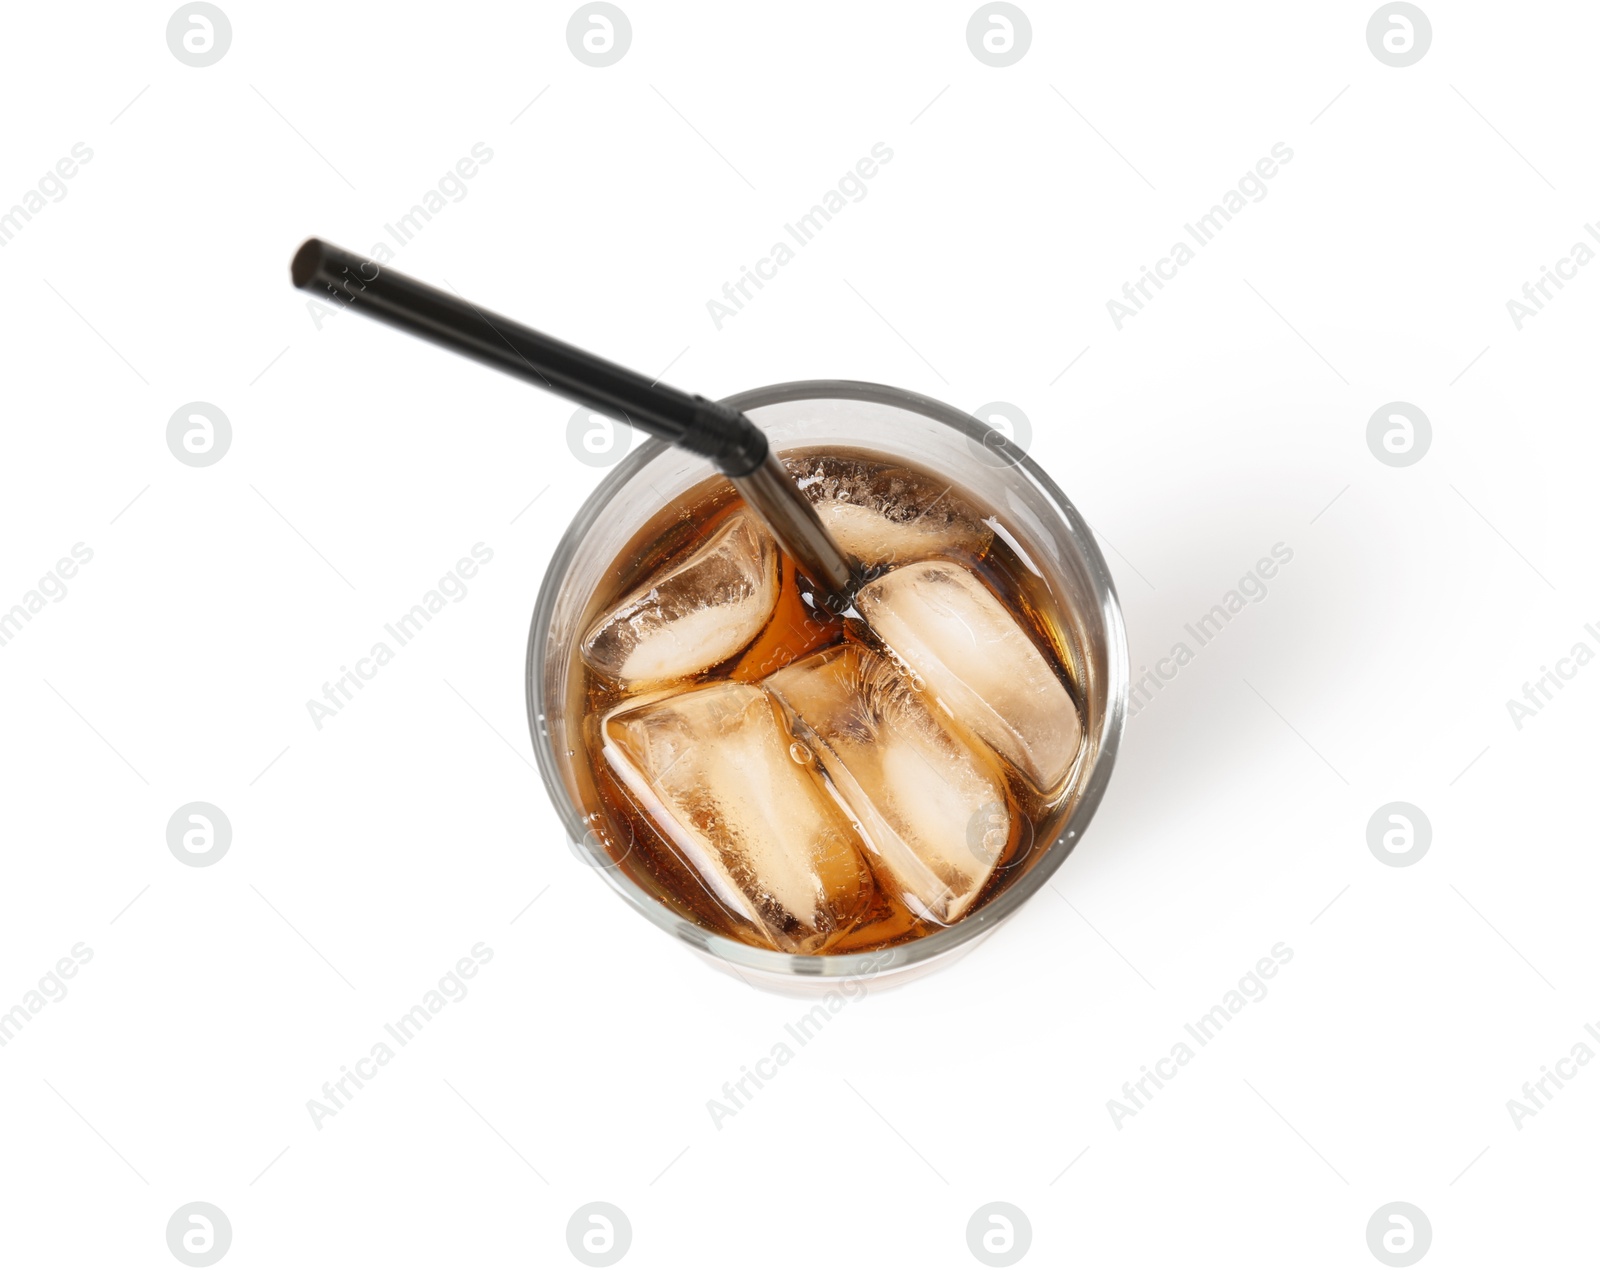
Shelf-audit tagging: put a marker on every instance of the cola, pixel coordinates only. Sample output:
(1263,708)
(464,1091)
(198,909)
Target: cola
(822,782)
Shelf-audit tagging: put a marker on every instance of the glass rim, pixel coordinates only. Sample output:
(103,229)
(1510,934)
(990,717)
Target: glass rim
(925,948)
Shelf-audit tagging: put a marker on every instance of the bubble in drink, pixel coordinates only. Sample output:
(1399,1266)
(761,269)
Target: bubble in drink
(819,784)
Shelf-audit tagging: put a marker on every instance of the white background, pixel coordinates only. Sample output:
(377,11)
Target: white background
(1230,415)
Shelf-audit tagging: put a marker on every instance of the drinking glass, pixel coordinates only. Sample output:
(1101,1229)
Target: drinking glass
(1041,525)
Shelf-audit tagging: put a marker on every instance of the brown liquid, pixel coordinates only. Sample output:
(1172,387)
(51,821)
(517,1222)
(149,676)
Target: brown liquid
(797,629)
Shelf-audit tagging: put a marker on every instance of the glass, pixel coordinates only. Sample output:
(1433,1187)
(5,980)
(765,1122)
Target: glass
(931,435)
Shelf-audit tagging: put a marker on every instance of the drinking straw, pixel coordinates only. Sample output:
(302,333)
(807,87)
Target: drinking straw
(722,434)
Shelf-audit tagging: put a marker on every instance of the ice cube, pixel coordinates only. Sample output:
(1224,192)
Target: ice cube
(979,663)
(885,514)
(694,615)
(933,806)
(742,803)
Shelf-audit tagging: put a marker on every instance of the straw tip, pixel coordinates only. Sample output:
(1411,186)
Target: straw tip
(306,262)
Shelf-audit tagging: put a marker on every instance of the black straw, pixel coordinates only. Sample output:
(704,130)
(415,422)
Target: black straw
(719,432)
